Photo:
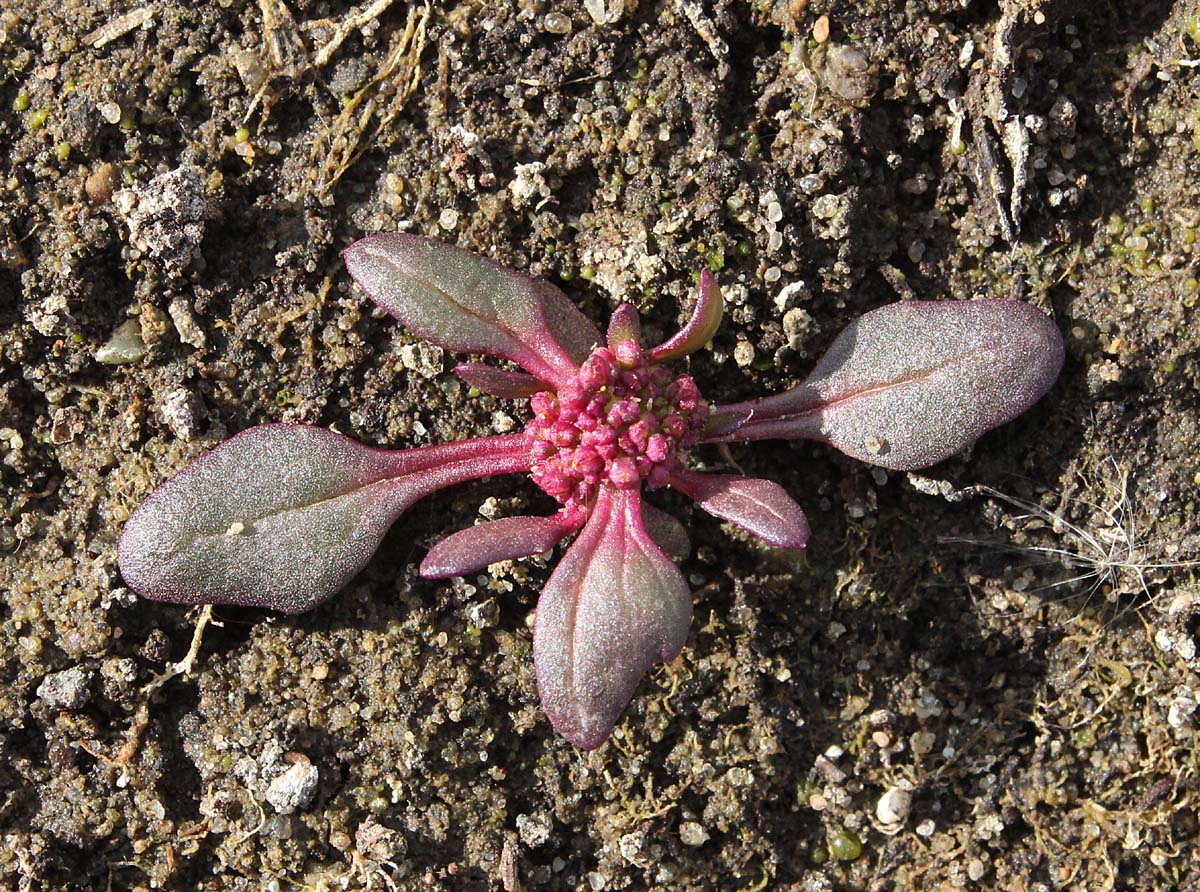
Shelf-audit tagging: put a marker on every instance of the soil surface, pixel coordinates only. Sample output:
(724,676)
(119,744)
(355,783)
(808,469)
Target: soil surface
(981,676)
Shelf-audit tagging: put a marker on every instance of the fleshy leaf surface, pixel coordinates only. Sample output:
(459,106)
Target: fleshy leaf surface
(614,606)
(910,384)
(498,540)
(701,325)
(499,382)
(624,325)
(462,302)
(282,516)
(758,506)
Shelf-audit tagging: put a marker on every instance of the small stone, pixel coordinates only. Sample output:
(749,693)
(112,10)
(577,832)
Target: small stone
(125,345)
(922,742)
(67,689)
(975,870)
(181,412)
(848,73)
(533,829)
(110,111)
(185,323)
(692,834)
(377,842)
(893,806)
(743,354)
(529,185)
(101,183)
(167,217)
(424,359)
(1181,708)
(556,23)
(68,424)
(820,31)
(295,788)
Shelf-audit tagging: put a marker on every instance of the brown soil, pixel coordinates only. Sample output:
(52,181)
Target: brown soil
(1020,658)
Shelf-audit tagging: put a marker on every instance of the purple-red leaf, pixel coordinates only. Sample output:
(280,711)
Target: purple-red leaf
(912,383)
(499,540)
(624,325)
(281,516)
(462,302)
(758,506)
(703,324)
(499,382)
(614,606)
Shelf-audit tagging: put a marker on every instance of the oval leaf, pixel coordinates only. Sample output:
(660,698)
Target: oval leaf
(758,506)
(462,302)
(614,606)
(499,540)
(912,383)
(281,516)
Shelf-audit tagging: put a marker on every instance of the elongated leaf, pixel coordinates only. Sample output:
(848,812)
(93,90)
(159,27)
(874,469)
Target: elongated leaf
(281,516)
(758,506)
(700,327)
(499,382)
(499,540)
(614,606)
(912,383)
(462,302)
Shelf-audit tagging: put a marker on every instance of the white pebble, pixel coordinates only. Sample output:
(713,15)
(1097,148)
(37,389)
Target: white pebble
(893,806)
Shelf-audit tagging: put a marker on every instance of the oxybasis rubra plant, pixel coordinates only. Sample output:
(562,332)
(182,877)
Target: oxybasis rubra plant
(281,516)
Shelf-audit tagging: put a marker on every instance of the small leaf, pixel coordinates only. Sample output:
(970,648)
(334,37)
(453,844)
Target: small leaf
(912,383)
(281,516)
(758,506)
(614,606)
(499,540)
(462,302)
(624,325)
(499,382)
(700,328)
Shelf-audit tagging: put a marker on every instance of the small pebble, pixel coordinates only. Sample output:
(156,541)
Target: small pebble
(125,345)
(65,690)
(893,806)
(295,788)
(556,23)
(692,834)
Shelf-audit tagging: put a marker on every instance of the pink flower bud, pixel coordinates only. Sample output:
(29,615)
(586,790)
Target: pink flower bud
(658,448)
(543,403)
(565,435)
(628,353)
(624,473)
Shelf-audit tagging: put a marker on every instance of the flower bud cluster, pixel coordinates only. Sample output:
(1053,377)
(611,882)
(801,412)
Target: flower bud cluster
(619,421)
